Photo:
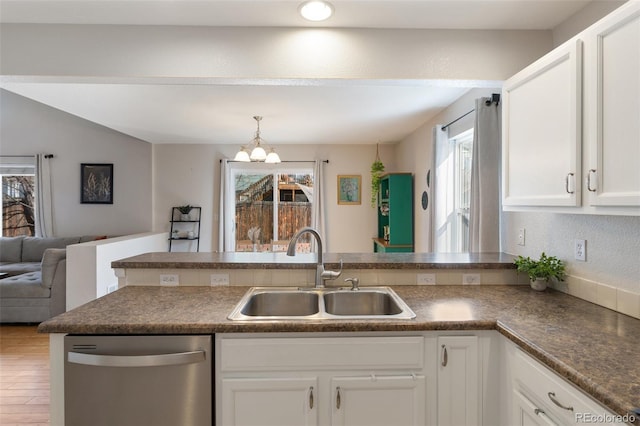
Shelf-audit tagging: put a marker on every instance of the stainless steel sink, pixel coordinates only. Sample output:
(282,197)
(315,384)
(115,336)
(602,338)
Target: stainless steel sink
(361,302)
(291,303)
(271,303)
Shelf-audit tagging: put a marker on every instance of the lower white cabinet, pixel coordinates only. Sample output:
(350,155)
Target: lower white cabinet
(459,385)
(273,401)
(541,397)
(354,381)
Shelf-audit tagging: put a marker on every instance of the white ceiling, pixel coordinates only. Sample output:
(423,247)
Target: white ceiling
(345,112)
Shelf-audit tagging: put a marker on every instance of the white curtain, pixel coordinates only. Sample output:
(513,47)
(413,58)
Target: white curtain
(44,197)
(443,205)
(318,216)
(484,220)
(225,242)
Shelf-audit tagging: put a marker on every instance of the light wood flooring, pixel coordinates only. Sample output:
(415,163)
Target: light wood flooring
(24,376)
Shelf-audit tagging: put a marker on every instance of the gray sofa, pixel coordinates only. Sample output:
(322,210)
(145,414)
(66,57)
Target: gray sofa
(33,280)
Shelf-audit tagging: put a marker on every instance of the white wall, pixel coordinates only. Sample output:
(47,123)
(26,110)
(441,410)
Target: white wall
(28,128)
(190,174)
(588,15)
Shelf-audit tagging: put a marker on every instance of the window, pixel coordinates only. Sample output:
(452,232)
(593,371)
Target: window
(18,196)
(269,203)
(463,150)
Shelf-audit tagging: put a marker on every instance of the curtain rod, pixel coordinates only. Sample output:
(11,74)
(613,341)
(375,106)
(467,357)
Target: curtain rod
(495,98)
(286,161)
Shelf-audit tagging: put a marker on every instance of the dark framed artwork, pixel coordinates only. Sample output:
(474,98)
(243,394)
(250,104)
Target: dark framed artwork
(96,183)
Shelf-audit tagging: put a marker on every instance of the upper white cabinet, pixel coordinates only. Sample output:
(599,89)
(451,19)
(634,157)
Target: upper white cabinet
(571,124)
(541,131)
(612,85)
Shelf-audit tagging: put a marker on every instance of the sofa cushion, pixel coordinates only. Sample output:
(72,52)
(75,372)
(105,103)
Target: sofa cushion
(25,285)
(19,268)
(50,261)
(11,249)
(33,247)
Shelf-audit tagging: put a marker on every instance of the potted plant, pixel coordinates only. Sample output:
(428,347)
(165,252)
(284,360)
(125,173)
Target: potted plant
(542,270)
(376,170)
(184,212)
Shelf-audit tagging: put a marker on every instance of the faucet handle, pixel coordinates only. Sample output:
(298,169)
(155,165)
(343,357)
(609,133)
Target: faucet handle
(354,283)
(332,275)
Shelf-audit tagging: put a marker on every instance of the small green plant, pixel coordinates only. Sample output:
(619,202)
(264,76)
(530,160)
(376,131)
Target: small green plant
(376,170)
(185,209)
(546,267)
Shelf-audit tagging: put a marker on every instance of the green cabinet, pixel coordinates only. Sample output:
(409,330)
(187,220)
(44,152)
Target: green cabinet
(395,214)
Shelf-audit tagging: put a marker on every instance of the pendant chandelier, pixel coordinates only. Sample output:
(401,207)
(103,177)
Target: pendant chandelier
(258,153)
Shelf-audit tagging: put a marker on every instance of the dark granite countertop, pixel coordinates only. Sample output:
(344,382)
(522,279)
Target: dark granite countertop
(243,260)
(593,347)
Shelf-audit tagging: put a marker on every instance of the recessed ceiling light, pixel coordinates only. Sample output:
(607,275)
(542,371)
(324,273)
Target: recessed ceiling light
(316,10)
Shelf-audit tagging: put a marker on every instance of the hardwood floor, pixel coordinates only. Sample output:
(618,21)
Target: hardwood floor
(24,376)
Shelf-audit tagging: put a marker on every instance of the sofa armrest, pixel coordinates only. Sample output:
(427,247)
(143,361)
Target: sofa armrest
(54,276)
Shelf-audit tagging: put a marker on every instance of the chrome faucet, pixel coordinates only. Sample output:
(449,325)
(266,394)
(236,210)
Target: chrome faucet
(321,274)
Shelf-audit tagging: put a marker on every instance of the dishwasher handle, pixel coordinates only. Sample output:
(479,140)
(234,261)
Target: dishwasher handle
(179,358)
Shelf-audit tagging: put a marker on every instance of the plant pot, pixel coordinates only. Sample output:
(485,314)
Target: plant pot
(185,217)
(539,284)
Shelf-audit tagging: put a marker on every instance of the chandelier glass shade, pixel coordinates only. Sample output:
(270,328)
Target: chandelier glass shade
(258,153)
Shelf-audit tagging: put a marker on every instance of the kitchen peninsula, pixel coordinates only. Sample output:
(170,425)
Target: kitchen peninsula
(593,348)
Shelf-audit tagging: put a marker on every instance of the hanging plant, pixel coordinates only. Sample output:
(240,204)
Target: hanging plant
(376,171)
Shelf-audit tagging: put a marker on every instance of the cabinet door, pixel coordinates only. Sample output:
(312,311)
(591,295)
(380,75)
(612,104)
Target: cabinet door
(270,402)
(541,131)
(378,400)
(459,384)
(612,83)
(526,413)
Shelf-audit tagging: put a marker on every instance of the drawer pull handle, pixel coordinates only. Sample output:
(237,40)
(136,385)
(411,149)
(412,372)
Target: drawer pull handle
(445,356)
(338,398)
(552,397)
(589,173)
(566,183)
(311,398)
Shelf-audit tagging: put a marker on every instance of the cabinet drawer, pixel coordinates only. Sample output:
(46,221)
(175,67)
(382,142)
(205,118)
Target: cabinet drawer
(544,386)
(287,354)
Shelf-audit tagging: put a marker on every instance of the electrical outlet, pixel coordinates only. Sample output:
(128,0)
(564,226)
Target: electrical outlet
(219,279)
(472,279)
(521,233)
(112,288)
(426,279)
(169,279)
(580,250)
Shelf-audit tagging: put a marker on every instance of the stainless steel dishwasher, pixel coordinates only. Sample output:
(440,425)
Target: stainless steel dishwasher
(138,380)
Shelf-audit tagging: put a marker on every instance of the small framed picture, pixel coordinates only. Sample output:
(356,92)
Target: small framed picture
(349,189)
(96,183)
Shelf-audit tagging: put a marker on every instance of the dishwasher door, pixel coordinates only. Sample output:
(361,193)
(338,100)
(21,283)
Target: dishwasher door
(138,380)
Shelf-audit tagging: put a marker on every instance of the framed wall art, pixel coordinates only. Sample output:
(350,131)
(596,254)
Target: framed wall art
(349,189)
(96,183)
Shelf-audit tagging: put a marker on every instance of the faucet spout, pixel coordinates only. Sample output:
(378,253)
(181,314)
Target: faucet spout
(321,274)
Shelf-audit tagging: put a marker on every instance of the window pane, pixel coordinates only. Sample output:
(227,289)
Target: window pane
(268,215)
(18,202)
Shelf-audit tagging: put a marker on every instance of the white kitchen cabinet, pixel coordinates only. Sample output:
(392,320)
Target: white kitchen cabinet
(541,397)
(526,413)
(459,381)
(612,87)
(552,159)
(541,131)
(270,402)
(321,380)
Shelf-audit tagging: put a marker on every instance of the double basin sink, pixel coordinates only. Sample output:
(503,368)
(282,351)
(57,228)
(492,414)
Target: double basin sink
(290,303)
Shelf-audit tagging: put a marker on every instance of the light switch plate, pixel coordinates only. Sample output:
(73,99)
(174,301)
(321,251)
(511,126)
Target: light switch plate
(470,279)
